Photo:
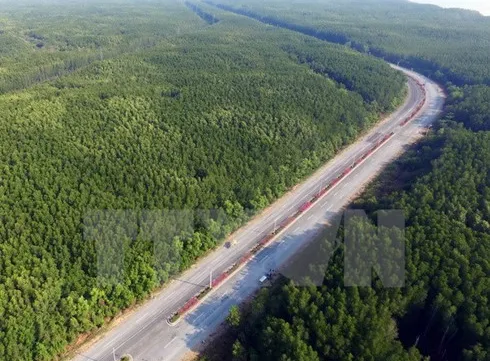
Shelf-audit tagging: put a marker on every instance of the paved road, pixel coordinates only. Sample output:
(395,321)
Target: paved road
(147,336)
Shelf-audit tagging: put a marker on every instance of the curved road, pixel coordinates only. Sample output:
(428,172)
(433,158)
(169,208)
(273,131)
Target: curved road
(146,335)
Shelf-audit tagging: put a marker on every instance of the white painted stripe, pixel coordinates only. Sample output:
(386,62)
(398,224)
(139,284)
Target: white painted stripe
(198,317)
(168,344)
(142,317)
(265,258)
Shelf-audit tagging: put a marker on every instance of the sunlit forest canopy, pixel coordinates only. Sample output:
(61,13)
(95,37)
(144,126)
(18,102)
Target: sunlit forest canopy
(132,105)
(442,185)
(451,44)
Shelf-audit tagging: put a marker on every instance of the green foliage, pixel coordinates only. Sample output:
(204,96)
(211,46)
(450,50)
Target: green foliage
(443,186)
(214,118)
(234,316)
(449,243)
(444,305)
(451,45)
(238,351)
(365,78)
(324,323)
(41,42)
(471,105)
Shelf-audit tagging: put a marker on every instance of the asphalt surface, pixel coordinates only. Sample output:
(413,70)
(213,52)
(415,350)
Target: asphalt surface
(146,335)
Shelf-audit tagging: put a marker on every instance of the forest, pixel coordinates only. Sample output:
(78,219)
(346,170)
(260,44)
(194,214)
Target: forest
(449,45)
(122,105)
(442,311)
(442,184)
(39,43)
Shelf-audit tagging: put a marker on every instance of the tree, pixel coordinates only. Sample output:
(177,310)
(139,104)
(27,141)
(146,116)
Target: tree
(234,316)
(238,351)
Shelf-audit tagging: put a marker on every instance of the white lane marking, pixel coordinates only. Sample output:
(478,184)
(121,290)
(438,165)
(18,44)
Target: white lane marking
(311,216)
(263,259)
(198,317)
(142,317)
(324,204)
(335,193)
(210,315)
(296,230)
(172,340)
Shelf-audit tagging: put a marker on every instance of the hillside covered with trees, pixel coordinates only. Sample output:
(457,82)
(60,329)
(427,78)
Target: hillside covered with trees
(443,310)
(150,106)
(450,45)
(41,42)
(442,185)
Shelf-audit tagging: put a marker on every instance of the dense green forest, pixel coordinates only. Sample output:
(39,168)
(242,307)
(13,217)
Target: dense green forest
(442,184)
(38,43)
(443,311)
(450,45)
(205,115)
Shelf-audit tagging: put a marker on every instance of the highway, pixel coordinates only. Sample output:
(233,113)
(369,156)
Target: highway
(146,335)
